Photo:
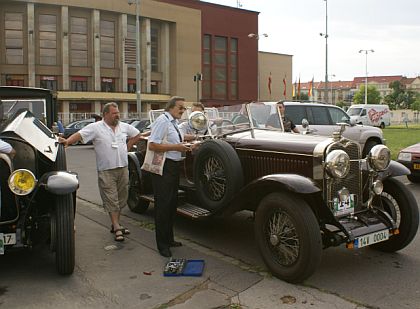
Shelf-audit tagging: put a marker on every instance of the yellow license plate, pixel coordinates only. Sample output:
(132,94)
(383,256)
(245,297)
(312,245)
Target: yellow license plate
(416,166)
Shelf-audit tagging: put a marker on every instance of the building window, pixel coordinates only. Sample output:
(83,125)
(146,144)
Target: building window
(47,39)
(131,85)
(107,44)
(233,76)
(79,83)
(130,46)
(13,26)
(154,87)
(79,41)
(206,83)
(15,80)
(220,67)
(108,85)
(49,82)
(155,49)
(80,107)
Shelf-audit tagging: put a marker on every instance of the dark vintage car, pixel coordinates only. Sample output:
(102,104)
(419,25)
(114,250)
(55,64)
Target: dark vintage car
(410,157)
(37,192)
(308,192)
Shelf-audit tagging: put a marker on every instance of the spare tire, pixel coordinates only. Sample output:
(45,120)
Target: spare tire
(218,174)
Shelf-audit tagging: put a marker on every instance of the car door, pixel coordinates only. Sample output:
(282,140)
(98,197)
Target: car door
(296,113)
(319,120)
(338,115)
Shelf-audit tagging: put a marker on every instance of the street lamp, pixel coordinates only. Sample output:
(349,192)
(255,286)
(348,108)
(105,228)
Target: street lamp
(138,67)
(257,37)
(366,51)
(325,35)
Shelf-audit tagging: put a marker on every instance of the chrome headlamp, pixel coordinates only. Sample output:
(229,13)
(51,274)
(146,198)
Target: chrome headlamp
(337,164)
(379,157)
(22,182)
(197,121)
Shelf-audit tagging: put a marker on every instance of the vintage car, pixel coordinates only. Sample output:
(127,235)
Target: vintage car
(37,193)
(410,157)
(308,192)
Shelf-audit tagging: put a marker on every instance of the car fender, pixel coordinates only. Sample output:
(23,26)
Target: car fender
(394,169)
(60,182)
(252,193)
(134,157)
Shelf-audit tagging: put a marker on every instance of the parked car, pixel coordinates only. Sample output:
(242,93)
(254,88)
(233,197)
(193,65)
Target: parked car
(308,192)
(410,157)
(130,120)
(141,125)
(37,192)
(378,115)
(74,127)
(324,118)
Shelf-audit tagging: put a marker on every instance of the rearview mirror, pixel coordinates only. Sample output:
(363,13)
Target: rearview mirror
(305,123)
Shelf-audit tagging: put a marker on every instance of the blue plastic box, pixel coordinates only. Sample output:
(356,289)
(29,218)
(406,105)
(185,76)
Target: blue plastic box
(192,268)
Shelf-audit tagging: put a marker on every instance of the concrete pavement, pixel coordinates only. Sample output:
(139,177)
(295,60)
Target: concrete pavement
(135,266)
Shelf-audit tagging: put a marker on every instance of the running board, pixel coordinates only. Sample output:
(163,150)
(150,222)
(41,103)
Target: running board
(187,210)
(192,211)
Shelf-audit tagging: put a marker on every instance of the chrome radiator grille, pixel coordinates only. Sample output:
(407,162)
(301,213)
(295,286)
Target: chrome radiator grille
(354,178)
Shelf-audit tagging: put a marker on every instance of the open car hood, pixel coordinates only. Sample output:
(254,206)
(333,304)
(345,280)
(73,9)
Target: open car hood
(33,131)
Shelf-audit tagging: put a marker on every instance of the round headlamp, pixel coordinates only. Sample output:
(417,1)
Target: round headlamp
(197,121)
(337,164)
(22,182)
(379,157)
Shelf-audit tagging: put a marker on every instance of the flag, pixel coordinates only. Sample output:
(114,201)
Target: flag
(311,88)
(294,89)
(284,83)
(269,83)
(298,90)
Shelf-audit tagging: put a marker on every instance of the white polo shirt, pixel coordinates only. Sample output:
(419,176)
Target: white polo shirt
(5,147)
(110,146)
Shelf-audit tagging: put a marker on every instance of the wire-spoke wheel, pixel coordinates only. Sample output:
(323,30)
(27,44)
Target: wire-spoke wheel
(288,236)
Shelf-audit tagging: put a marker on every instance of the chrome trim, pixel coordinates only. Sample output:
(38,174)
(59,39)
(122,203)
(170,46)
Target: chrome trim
(61,182)
(269,151)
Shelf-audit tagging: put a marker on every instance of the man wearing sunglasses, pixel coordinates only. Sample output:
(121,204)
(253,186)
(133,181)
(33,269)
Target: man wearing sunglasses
(166,137)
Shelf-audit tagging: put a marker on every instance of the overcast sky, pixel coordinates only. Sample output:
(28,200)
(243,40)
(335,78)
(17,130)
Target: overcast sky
(390,28)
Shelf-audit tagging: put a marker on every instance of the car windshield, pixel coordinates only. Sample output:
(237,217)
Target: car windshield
(354,111)
(9,107)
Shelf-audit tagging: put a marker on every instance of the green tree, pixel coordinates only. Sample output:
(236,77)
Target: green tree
(415,106)
(373,95)
(400,97)
(302,97)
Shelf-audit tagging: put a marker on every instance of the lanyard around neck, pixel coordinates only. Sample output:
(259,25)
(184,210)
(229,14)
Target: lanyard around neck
(176,128)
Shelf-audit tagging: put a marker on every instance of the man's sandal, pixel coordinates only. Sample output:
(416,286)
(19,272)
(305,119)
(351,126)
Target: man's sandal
(123,229)
(119,236)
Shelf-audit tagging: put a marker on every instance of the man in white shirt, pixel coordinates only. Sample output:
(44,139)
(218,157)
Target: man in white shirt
(109,138)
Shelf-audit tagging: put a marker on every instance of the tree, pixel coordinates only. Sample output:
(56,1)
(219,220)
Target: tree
(400,98)
(373,95)
(302,97)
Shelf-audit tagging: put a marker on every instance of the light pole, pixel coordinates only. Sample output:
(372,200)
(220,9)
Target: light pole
(366,51)
(138,67)
(326,50)
(257,37)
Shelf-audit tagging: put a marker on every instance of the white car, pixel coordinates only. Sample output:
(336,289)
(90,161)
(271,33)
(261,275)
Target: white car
(323,119)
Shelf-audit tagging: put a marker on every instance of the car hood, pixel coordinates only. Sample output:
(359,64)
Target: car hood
(25,125)
(413,148)
(269,140)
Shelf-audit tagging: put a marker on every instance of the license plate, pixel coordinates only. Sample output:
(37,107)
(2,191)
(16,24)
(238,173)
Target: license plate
(344,207)
(371,239)
(416,166)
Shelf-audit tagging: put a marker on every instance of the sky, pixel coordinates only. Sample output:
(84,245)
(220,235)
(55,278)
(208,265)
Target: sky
(391,28)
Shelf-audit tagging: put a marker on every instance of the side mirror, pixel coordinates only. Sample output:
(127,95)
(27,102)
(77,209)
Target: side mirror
(305,123)
(352,122)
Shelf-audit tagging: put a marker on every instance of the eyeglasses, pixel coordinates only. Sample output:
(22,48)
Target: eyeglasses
(182,108)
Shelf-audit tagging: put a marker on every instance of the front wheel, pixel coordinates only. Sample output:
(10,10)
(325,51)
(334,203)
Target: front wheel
(413,179)
(401,205)
(64,233)
(368,146)
(288,236)
(135,202)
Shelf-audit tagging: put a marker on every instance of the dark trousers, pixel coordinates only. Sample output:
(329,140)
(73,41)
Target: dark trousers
(165,189)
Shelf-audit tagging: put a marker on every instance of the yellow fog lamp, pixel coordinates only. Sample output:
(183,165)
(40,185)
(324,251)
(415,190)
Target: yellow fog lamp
(22,182)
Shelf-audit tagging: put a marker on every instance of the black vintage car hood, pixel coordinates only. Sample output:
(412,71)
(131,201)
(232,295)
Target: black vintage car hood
(25,125)
(270,140)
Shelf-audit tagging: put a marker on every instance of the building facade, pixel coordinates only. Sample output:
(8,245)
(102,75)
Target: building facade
(86,51)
